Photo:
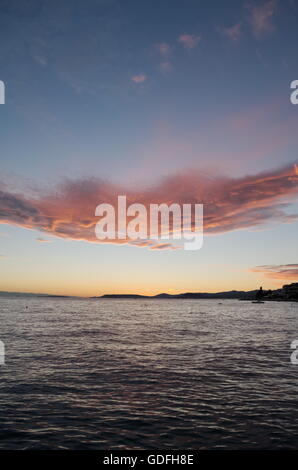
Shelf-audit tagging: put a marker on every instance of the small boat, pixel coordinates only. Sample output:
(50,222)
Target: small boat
(258,302)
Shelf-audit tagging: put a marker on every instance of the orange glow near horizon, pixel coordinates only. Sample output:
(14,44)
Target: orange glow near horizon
(75,287)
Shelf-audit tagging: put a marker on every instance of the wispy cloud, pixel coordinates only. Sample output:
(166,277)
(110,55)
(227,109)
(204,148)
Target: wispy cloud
(163,48)
(153,245)
(261,17)
(163,246)
(229,203)
(141,78)
(42,240)
(233,32)
(166,66)
(189,41)
(279,271)
(165,51)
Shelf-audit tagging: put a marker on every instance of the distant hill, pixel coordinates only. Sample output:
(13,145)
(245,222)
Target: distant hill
(288,292)
(29,294)
(233,294)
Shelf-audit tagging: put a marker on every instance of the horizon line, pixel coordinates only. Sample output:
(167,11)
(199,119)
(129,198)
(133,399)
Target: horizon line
(45,294)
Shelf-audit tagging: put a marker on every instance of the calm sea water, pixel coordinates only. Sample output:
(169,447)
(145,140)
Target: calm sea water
(154,374)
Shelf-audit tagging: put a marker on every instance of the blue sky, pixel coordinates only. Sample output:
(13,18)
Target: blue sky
(132,93)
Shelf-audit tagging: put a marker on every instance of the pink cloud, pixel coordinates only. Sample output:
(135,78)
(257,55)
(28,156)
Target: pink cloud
(233,32)
(163,246)
(261,17)
(141,78)
(163,48)
(281,271)
(43,240)
(67,211)
(189,40)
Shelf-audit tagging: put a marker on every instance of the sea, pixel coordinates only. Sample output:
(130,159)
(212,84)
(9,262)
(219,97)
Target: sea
(147,374)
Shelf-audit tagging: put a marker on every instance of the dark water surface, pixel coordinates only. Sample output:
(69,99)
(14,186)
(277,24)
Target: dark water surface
(156,374)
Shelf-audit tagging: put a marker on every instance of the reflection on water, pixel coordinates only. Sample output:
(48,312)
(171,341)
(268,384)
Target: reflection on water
(129,374)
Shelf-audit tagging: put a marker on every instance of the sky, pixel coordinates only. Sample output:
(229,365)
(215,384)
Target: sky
(165,101)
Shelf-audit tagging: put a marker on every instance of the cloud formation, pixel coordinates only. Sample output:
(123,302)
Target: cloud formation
(141,78)
(280,271)
(163,48)
(166,66)
(190,41)
(67,211)
(233,32)
(261,17)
